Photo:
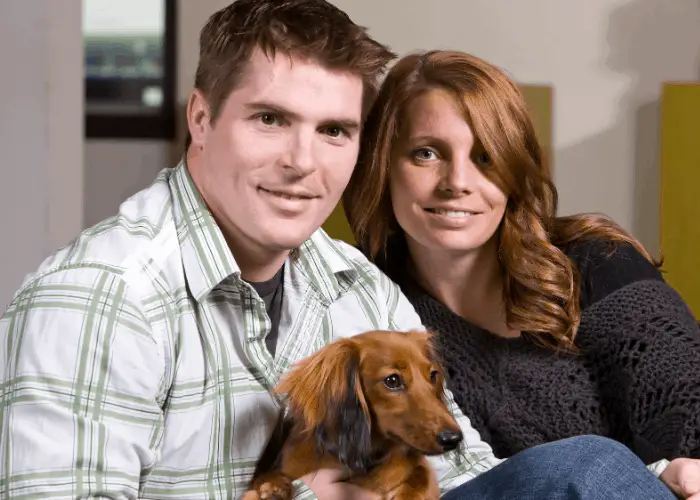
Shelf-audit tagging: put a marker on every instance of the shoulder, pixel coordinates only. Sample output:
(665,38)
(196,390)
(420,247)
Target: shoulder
(141,229)
(342,257)
(606,266)
(376,276)
(366,282)
(70,308)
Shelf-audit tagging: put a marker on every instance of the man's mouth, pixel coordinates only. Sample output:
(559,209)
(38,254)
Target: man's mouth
(288,195)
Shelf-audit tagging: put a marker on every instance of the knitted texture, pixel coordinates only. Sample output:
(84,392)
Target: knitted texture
(636,379)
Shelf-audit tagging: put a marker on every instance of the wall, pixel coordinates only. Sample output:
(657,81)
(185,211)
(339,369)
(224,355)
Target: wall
(41,134)
(680,190)
(606,60)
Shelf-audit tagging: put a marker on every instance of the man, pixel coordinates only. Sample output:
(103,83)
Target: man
(139,360)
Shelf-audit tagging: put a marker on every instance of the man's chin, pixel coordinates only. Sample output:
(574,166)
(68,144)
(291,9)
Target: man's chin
(288,240)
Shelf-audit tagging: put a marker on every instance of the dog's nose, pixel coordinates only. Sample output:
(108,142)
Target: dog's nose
(448,440)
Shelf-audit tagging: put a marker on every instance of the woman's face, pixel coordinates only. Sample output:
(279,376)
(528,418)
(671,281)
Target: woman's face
(440,196)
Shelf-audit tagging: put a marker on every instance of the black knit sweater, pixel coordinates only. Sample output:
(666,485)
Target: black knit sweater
(637,379)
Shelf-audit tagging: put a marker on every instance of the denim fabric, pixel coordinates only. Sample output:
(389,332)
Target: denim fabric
(579,468)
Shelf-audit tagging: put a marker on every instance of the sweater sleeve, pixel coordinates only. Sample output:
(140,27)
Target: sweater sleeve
(643,342)
(606,267)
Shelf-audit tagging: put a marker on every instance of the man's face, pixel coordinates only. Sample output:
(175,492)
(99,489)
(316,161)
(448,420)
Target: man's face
(275,162)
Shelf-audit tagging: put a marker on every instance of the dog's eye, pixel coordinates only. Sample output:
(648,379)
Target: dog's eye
(434,376)
(393,382)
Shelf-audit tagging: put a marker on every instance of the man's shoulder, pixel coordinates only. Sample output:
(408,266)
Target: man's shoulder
(344,256)
(141,229)
(368,269)
(373,296)
(352,252)
(349,260)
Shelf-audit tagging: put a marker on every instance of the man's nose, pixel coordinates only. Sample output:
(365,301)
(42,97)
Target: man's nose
(301,153)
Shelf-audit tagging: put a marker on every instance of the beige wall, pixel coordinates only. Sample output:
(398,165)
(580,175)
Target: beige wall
(41,134)
(605,59)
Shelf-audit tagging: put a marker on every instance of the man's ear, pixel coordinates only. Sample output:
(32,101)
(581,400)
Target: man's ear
(198,117)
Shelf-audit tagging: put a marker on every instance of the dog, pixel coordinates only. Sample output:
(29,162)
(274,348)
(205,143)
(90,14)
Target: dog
(371,405)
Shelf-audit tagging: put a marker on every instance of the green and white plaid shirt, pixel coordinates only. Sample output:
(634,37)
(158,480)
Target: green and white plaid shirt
(134,363)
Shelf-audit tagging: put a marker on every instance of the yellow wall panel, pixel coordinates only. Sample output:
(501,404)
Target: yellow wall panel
(337,226)
(680,189)
(539,100)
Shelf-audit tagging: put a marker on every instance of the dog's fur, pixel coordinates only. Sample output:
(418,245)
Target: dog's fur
(371,405)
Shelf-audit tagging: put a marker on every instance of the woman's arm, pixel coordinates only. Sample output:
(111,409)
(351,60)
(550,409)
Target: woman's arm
(644,345)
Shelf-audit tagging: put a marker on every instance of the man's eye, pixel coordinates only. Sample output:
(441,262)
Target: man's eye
(269,119)
(335,132)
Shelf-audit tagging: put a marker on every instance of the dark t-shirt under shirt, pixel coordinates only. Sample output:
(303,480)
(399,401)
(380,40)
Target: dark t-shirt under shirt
(271,292)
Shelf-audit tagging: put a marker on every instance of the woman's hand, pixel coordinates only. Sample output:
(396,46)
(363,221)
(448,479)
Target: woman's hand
(327,485)
(683,477)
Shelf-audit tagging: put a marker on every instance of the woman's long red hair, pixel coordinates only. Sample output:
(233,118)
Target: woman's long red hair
(541,289)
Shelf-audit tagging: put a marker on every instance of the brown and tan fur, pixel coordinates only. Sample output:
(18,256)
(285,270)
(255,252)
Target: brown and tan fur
(372,405)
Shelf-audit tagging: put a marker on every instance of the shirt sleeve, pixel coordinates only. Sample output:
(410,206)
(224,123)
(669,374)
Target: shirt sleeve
(659,467)
(300,491)
(475,456)
(81,373)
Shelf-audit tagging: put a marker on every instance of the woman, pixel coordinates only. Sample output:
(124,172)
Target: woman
(549,326)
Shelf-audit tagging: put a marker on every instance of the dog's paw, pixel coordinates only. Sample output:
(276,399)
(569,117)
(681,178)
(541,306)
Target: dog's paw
(273,488)
(405,493)
(250,495)
(410,495)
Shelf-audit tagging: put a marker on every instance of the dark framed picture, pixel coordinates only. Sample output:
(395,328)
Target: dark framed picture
(130,59)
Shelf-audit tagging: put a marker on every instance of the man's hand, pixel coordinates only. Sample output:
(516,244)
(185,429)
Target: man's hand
(326,485)
(683,477)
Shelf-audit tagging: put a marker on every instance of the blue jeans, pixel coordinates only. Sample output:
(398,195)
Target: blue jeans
(579,468)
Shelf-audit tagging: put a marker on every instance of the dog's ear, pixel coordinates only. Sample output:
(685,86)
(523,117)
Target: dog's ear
(324,391)
(428,341)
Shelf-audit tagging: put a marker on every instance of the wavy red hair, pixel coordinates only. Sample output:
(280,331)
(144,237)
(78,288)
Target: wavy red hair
(541,283)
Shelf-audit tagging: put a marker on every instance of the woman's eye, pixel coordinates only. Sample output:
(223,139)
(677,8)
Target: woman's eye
(483,159)
(424,154)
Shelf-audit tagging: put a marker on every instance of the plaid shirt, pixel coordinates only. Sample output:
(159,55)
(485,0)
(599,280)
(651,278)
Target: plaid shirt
(134,363)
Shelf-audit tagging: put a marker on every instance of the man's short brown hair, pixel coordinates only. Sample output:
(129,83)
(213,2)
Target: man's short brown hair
(310,29)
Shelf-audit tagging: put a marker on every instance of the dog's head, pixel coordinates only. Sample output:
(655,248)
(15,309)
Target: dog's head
(358,395)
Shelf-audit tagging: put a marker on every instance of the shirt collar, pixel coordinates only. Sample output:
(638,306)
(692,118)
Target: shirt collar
(208,261)
(327,267)
(206,256)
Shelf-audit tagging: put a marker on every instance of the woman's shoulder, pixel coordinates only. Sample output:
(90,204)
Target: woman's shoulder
(606,266)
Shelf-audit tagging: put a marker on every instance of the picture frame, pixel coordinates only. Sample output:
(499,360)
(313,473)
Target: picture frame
(130,69)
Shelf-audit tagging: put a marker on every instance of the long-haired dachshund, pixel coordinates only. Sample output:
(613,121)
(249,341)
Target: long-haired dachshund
(371,405)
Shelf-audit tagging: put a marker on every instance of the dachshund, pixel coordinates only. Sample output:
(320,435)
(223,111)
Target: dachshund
(371,405)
